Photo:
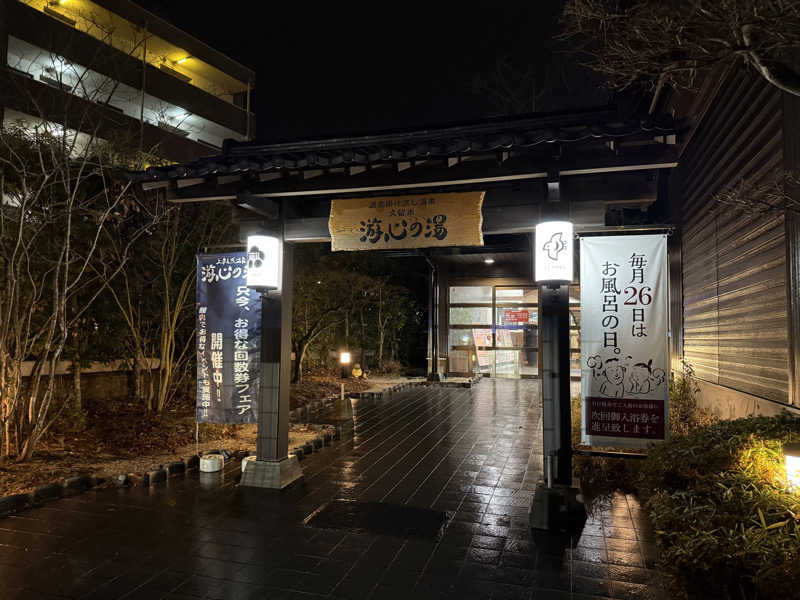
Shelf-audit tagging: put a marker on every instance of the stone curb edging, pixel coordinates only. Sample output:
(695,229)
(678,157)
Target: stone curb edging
(407,384)
(79,484)
(390,390)
(302,413)
(318,443)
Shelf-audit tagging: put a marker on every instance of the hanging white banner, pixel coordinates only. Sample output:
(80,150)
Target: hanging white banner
(624,347)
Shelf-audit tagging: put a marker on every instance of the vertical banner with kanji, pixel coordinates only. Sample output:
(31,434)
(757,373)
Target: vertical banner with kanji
(228,340)
(624,346)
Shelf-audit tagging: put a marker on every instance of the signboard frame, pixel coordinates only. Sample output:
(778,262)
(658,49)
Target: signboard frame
(228,340)
(411,221)
(624,340)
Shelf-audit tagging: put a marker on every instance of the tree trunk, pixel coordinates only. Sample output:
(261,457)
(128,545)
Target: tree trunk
(363,341)
(299,355)
(76,382)
(381,338)
(141,394)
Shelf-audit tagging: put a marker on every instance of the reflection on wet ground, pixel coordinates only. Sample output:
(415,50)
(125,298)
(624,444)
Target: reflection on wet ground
(474,454)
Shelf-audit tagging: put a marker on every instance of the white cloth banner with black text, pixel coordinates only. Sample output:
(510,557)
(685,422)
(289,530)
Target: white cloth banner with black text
(624,347)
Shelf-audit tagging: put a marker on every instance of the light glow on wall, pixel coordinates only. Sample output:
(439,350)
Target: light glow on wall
(554,248)
(264,259)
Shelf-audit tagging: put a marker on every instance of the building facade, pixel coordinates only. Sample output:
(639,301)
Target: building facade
(739,317)
(734,271)
(596,168)
(110,69)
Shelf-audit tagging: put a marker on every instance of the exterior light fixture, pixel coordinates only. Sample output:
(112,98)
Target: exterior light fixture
(344,361)
(554,252)
(488,261)
(792,453)
(264,258)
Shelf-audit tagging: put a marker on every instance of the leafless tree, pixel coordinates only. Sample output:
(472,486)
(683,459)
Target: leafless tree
(61,187)
(154,293)
(514,89)
(56,201)
(765,197)
(668,42)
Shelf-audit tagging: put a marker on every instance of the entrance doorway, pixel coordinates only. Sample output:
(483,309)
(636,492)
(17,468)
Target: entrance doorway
(494,330)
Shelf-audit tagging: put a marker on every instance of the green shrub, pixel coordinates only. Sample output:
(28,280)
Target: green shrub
(685,413)
(601,476)
(726,522)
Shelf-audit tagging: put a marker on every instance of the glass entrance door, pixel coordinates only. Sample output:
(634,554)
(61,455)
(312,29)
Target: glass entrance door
(494,330)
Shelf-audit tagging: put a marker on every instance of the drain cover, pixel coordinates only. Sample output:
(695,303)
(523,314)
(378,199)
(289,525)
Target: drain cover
(376,517)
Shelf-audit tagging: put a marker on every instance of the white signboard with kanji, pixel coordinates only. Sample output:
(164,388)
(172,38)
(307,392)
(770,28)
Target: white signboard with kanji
(624,346)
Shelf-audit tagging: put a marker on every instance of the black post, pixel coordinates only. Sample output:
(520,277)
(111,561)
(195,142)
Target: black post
(433,319)
(272,443)
(273,468)
(556,401)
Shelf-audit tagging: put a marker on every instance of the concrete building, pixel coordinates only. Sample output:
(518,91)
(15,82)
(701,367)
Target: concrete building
(108,68)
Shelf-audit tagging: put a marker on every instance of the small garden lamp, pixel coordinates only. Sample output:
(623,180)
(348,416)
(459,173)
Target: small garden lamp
(344,360)
(792,453)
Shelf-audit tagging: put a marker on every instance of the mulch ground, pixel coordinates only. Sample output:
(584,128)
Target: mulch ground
(316,387)
(119,437)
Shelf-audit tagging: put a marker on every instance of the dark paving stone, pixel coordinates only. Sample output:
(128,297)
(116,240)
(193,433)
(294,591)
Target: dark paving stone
(381,519)
(474,453)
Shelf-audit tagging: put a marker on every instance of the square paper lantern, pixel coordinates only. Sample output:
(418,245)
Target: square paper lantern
(264,258)
(553,252)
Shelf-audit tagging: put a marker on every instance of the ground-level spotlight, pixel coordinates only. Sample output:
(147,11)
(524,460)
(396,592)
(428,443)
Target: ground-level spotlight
(792,453)
(488,261)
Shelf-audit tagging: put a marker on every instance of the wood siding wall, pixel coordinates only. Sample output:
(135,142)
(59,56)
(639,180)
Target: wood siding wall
(734,265)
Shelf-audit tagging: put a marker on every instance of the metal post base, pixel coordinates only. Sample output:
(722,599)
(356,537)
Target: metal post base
(274,474)
(558,508)
(435,377)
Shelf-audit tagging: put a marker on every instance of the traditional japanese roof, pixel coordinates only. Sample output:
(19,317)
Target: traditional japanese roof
(490,138)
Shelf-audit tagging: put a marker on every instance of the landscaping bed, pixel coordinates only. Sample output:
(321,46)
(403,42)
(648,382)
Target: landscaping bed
(118,436)
(316,387)
(727,524)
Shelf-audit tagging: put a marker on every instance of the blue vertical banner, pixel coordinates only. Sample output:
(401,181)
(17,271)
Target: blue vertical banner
(228,340)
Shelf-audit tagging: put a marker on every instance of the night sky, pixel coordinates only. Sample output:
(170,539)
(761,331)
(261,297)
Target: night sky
(331,69)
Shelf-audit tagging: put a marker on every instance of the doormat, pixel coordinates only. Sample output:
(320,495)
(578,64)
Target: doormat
(379,518)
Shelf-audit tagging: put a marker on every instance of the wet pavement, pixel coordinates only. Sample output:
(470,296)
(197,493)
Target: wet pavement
(474,454)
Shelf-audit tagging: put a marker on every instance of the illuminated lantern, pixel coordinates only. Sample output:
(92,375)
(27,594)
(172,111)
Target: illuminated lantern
(344,358)
(792,454)
(263,262)
(553,252)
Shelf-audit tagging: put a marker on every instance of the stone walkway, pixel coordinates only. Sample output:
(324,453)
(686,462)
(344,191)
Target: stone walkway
(475,453)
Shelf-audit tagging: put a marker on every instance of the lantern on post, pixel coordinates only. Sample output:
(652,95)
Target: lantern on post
(263,263)
(554,252)
(555,500)
(344,361)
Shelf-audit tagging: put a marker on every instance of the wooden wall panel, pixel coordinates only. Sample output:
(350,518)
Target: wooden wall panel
(734,264)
